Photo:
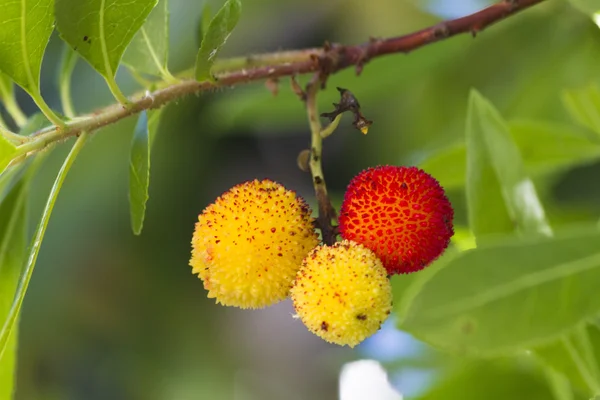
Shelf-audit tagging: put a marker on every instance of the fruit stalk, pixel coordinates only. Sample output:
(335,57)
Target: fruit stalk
(326,210)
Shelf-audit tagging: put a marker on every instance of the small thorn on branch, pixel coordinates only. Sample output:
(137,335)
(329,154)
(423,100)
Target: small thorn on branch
(272,84)
(297,89)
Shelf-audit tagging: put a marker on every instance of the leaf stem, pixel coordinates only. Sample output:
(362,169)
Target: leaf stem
(37,243)
(116,91)
(15,111)
(329,129)
(47,111)
(3,127)
(11,135)
(68,65)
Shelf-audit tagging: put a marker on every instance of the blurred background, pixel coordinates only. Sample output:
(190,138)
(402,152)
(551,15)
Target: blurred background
(113,316)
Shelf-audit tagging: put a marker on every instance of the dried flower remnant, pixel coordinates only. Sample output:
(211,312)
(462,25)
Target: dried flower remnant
(349,103)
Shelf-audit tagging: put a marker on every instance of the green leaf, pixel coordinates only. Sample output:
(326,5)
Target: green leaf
(545,148)
(6,87)
(549,147)
(10,322)
(139,166)
(584,106)
(101,30)
(589,7)
(406,287)
(448,165)
(148,51)
(13,230)
(7,151)
(218,32)
(500,195)
(204,22)
(489,380)
(25,28)
(509,295)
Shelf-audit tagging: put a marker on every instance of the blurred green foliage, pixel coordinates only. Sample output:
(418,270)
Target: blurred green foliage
(112,315)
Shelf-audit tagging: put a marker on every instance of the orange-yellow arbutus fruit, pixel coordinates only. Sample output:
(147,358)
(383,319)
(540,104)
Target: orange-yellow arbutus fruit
(401,213)
(342,293)
(249,244)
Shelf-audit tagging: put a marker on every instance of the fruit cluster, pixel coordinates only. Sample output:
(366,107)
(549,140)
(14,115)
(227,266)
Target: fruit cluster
(256,245)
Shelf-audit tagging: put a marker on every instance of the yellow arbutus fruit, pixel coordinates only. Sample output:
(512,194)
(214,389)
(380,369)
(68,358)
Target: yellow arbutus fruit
(249,244)
(342,293)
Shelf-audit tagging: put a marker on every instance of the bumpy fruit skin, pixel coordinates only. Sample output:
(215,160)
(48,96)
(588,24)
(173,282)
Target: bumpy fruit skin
(401,213)
(249,244)
(342,293)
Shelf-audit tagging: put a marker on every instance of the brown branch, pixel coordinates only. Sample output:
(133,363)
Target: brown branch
(326,60)
(336,57)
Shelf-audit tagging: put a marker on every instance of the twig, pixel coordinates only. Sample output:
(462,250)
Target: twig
(326,60)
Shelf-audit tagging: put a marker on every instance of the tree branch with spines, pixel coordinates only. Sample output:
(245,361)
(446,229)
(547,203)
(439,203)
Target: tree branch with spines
(326,60)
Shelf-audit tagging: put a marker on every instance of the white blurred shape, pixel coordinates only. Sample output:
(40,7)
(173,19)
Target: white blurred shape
(366,380)
(526,197)
(596,18)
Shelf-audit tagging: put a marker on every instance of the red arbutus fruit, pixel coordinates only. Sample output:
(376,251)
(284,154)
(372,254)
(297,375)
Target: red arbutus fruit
(401,213)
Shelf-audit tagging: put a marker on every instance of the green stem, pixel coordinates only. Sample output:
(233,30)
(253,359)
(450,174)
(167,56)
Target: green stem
(15,111)
(3,126)
(326,210)
(68,65)
(583,369)
(47,111)
(13,314)
(167,76)
(116,92)
(12,136)
(8,134)
(329,129)
(316,140)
